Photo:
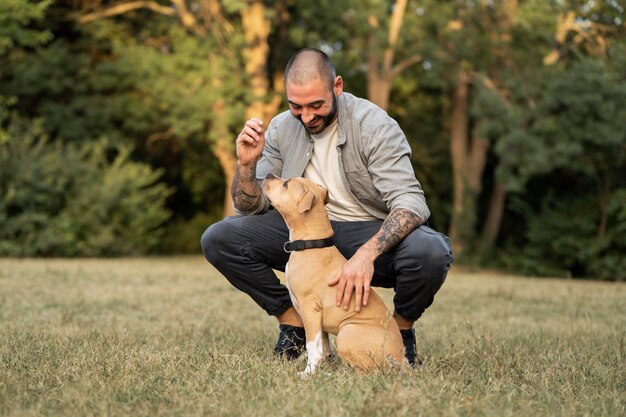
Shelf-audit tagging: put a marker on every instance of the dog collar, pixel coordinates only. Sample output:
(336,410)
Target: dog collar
(298,245)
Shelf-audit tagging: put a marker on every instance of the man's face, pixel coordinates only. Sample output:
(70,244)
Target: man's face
(314,104)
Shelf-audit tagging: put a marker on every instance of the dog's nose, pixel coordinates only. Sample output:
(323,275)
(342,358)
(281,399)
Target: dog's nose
(270,175)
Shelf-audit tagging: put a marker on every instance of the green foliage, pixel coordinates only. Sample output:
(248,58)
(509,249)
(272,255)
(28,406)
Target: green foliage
(66,200)
(15,16)
(572,140)
(5,105)
(130,89)
(162,94)
(576,125)
(150,88)
(183,236)
(562,239)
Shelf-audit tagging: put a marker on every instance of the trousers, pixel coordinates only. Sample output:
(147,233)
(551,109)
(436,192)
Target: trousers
(247,250)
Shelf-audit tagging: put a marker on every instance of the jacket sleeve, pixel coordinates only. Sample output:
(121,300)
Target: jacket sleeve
(389,163)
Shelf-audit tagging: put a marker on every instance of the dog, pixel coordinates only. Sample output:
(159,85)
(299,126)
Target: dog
(366,340)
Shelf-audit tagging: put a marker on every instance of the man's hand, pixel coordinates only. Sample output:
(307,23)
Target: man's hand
(356,275)
(250,142)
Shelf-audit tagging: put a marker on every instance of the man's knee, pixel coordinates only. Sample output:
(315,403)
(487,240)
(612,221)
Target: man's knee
(431,251)
(439,254)
(214,238)
(423,261)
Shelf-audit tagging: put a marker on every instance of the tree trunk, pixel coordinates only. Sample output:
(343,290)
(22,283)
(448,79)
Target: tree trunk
(493,221)
(262,105)
(229,164)
(224,149)
(256,30)
(265,103)
(491,227)
(468,164)
(458,152)
(380,75)
(475,165)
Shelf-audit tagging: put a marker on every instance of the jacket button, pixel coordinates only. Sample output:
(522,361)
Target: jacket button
(308,154)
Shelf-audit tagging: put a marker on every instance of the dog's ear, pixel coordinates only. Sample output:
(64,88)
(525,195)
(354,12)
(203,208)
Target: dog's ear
(325,194)
(306,201)
(325,198)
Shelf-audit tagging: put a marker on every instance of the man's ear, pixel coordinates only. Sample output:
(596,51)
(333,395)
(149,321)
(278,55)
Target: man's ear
(306,201)
(338,86)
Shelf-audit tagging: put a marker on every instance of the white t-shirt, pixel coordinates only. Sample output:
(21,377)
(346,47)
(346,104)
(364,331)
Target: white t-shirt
(323,169)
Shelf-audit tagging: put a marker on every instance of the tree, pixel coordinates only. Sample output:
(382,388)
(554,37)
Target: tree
(579,116)
(381,69)
(61,199)
(477,45)
(15,16)
(214,29)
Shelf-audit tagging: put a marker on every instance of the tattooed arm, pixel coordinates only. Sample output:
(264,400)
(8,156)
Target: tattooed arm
(396,227)
(245,190)
(357,273)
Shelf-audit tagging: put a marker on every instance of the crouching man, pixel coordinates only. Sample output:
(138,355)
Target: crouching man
(376,205)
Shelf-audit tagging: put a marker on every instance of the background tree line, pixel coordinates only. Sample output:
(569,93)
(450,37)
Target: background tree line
(118,118)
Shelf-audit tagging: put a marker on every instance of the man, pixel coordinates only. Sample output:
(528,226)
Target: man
(377,207)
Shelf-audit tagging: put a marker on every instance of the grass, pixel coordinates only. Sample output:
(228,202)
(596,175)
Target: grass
(170,337)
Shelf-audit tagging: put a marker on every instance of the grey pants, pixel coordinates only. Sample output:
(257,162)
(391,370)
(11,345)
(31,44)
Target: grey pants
(245,249)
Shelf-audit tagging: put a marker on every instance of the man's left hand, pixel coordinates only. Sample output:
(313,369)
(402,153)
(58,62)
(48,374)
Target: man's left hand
(356,275)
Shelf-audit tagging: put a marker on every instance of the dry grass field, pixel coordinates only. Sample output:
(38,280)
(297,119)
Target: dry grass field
(170,337)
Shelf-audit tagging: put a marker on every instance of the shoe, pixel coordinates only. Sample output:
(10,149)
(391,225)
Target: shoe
(291,342)
(410,348)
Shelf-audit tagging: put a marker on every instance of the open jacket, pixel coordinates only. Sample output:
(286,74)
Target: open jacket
(374,157)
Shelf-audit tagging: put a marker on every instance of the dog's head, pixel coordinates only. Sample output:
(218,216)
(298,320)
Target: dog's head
(294,196)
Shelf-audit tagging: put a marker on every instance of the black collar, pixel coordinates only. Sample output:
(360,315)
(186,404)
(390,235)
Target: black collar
(298,245)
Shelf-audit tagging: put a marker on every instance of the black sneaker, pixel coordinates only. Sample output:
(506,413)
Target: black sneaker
(291,342)
(410,348)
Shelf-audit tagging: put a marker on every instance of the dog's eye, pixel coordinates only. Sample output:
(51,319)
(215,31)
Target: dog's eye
(285,183)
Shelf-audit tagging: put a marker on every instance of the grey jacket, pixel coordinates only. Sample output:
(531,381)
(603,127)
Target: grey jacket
(373,155)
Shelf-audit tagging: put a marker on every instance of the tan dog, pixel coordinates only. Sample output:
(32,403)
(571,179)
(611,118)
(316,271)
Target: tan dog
(367,339)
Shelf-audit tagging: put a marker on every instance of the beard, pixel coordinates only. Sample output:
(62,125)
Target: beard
(319,123)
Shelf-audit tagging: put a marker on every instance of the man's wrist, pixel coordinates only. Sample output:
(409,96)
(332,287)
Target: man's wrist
(245,191)
(247,172)
(367,252)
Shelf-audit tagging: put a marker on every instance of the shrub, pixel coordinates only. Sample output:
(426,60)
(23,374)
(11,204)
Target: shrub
(563,239)
(67,200)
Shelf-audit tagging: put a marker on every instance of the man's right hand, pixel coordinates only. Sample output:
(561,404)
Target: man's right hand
(250,142)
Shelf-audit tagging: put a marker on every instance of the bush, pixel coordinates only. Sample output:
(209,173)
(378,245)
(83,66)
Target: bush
(183,236)
(67,200)
(563,240)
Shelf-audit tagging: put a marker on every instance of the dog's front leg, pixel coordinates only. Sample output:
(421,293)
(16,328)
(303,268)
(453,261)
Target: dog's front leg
(317,345)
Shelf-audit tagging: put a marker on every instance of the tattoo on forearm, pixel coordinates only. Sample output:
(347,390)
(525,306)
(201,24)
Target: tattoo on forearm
(396,227)
(245,200)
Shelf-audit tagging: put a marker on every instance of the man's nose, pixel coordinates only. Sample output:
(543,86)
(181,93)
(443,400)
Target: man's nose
(307,115)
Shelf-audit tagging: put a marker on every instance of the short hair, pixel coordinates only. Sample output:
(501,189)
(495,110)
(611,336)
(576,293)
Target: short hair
(310,64)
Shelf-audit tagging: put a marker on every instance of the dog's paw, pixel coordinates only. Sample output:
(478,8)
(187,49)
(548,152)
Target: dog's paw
(308,371)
